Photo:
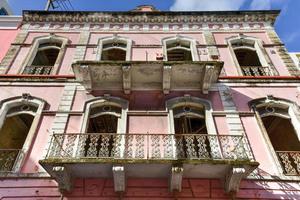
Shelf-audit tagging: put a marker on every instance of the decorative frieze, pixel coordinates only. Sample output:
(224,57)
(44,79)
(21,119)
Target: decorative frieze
(152,17)
(133,27)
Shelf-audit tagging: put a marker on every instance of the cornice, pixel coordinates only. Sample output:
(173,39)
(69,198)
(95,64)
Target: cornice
(10,22)
(151,17)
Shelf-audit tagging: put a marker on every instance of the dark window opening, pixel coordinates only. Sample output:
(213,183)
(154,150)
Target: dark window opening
(46,57)
(12,138)
(281,133)
(103,124)
(189,125)
(113,55)
(191,137)
(101,140)
(285,142)
(247,57)
(179,55)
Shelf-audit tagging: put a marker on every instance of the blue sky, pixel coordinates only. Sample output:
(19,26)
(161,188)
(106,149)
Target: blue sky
(287,25)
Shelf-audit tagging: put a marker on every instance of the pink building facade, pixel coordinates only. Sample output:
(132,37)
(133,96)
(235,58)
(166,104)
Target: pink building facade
(148,104)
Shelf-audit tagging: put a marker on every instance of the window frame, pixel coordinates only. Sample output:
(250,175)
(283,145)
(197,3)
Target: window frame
(257,47)
(26,99)
(293,114)
(180,38)
(112,39)
(195,102)
(122,118)
(35,48)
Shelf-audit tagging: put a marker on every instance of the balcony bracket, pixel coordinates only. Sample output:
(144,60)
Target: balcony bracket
(167,73)
(85,77)
(176,178)
(126,78)
(62,177)
(119,178)
(233,179)
(207,78)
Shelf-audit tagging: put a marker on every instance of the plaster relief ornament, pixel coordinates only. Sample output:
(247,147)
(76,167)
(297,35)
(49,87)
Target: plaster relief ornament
(155,27)
(136,27)
(36,26)
(195,27)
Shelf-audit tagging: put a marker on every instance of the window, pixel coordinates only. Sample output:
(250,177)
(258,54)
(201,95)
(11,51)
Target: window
(280,124)
(114,48)
(180,48)
(193,127)
(45,56)
(18,123)
(104,119)
(249,55)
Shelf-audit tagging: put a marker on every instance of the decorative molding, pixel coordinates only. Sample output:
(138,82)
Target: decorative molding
(176,178)
(126,79)
(167,74)
(63,178)
(233,179)
(119,178)
(255,17)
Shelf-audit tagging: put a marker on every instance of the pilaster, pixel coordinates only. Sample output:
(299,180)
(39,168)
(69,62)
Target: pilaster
(12,52)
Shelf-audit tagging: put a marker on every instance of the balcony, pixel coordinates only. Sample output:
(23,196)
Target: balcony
(38,70)
(256,71)
(8,159)
(151,75)
(160,155)
(290,162)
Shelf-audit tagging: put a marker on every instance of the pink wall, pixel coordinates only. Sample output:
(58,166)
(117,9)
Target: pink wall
(221,37)
(259,147)
(145,124)
(143,189)
(73,37)
(52,96)
(38,146)
(242,95)
(6,38)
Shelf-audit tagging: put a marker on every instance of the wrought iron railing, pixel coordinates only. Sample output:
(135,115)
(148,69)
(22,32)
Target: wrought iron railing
(149,146)
(38,70)
(290,161)
(256,71)
(8,158)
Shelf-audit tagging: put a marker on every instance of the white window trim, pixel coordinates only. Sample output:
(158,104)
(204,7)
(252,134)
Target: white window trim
(293,112)
(196,102)
(17,101)
(112,39)
(258,48)
(122,119)
(35,47)
(193,47)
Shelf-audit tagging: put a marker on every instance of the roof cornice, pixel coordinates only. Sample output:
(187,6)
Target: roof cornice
(151,17)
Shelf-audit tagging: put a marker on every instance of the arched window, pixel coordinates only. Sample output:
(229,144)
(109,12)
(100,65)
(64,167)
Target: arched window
(180,48)
(104,119)
(45,55)
(281,130)
(18,122)
(114,48)
(192,124)
(249,55)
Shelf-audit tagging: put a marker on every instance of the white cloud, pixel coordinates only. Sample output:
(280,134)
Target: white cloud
(266,4)
(207,5)
(260,5)
(291,37)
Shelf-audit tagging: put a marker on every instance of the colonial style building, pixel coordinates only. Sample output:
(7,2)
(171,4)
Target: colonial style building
(148,104)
